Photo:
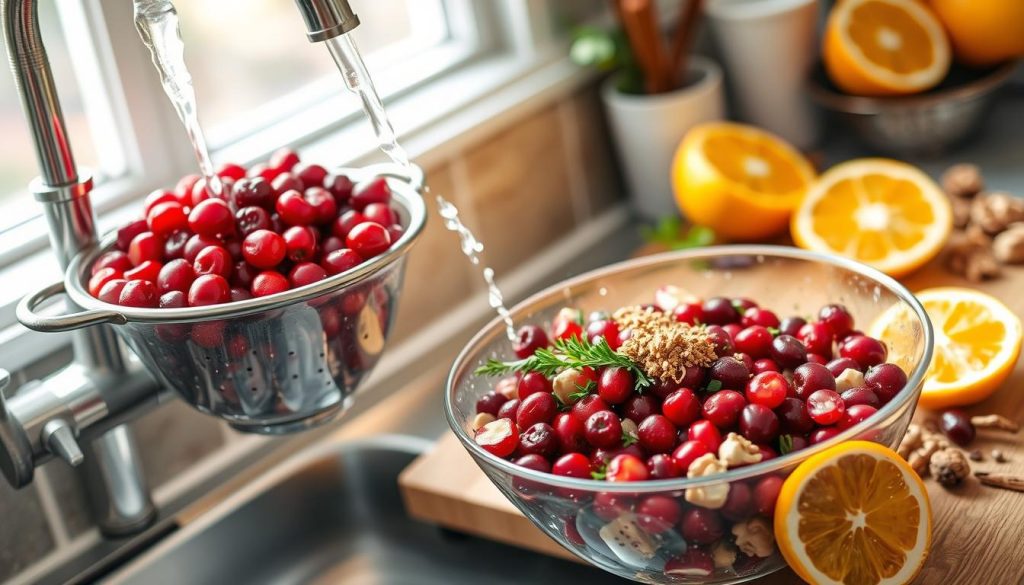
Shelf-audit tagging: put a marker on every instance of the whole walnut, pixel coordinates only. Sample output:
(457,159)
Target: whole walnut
(1008,246)
(994,212)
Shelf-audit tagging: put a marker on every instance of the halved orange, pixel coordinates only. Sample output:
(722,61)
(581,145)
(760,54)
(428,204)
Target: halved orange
(739,180)
(882,212)
(885,47)
(977,343)
(855,514)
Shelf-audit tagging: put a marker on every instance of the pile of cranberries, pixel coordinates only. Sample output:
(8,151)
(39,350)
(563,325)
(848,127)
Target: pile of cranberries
(275,226)
(782,384)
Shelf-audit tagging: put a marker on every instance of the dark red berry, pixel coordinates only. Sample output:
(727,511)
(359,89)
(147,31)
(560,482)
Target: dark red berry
(766,493)
(339,261)
(253,192)
(212,217)
(209,289)
(263,249)
(127,233)
(863,395)
(791,325)
(529,339)
(662,466)
(305,273)
(887,379)
(603,429)
(720,339)
(681,407)
(730,372)
(176,275)
(817,338)
(705,432)
(140,294)
(490,403)
(368,239)
(538,439)
(688,452)
(809,378)
(268,282)
(825,407)
(793,417)
(540,407)
(840,365)
(657,434)
(532,383)
(866,351)
(375,191)
(250,219)
(310,174)
(955,424)
(702,526)
(214,260)
(658,513)
(145,246)
(300,243)
(720,311)
(324,205)
(689,313)
(639,407)
(758,423)
(837,319)
(570,432)
(788,352)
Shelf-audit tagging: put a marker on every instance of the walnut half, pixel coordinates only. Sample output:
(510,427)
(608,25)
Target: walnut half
(711,496)
(754,537)
(970,255)
(994,212)
(1008,246)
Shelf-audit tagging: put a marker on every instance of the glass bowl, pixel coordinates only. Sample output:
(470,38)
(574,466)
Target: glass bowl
(598,521)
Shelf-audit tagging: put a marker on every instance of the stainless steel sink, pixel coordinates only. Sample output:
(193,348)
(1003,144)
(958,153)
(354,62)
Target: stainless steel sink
(334,515)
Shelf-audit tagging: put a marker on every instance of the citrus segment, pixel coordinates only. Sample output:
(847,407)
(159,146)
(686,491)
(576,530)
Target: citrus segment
(881,212)
(977,343)
(855,514)
(741,181)
(885,47)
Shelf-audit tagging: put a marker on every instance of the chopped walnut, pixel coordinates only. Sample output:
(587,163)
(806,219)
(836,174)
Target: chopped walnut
(921,458)
(910,442)
(963,180)
(723,553)
(949,466)
(969,254)
(736,450)
(630,428)
(1008,246)
(481,420)
(849,378)
(754,537)
(711,496)
(994,212)
(565,385)
(961,212)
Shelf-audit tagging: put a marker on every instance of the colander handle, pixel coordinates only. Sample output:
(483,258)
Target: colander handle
(29,318)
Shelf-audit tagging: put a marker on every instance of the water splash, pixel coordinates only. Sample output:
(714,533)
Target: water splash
(157,24)
(357,79)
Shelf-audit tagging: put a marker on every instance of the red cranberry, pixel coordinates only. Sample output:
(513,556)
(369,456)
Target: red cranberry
(658,513)
(723,408)
(141,294)
(500,438)
(310,174)
(730,372)
(183,188)
(284,159)
(693,378)
(755,341)
(603,429)
(250,219)
(739,505)
(340,186)
(176,275)
(294,209)
(604,329)
(955,424)
(639,407)
(148,270)
(331,244)
(509,409)
(689,313)
(761,317)
(286,182)
(615,385)
(536,408)
(174,245)
(145,246)
(300,243)
(609,506)
(368,239)
(662,466)
(587,406)
(572,465)
(324,205)
(765,365)
(720,339)
(115,259)
(866,351)
(570,432)
(688,452)
(720,311)
(839,365)
(529,339)
(538,439)
(788,352)
(705,432)
(534,462)
(158,197)
(340,260)
(766,493)
(809,378)
(111,291)
(768,389)
(231,171)
(375,191)
(732,329)
(742,304)
(532,383)
(165,218)
(566,329)
(823,434)
(263,249)
(887,379)
(240,294)
(793,417)
(681,407)
(212,217)
(693,563)
(209,289)
(345,222)
(791,325)
(863,395)
(268,282)
(758,423)
(798,442)
(490,403)
(214,260)
(825,407)
(657,434)
(101,278)
(174,299)
(702,526)
(243,274)
(380,213)
(127,233)
(837,319)
(817,338)
(855,414)
(253,192)
(197,244)
(626,468)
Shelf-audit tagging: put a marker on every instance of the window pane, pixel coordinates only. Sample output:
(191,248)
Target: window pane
(17,156)
(260,67)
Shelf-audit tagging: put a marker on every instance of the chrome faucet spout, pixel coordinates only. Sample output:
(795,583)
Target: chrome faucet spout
(326,19)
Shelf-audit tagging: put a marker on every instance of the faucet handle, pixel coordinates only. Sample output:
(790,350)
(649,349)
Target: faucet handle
(16,461)
(59,438)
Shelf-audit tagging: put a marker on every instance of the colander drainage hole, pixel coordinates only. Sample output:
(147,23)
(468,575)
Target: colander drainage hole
(291,353)
(254,390)
(320,371)
(295,376)
(321,354)
(249,369)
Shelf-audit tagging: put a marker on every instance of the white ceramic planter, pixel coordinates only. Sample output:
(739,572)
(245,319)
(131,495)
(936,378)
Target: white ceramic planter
(648,128)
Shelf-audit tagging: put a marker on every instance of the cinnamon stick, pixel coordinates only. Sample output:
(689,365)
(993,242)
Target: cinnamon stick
(640,23)
(1001,480)
(683,38)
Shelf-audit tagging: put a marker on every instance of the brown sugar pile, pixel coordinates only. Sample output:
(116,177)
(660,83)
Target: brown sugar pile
(661,346)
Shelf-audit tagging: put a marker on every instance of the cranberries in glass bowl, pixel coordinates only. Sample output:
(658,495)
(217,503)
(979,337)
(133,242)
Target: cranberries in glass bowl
(658,482)
(265,306)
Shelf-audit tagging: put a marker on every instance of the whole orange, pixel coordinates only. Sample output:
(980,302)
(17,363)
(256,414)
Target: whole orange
(983,32)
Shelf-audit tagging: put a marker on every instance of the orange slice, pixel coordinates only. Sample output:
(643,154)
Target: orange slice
(738,180)
(882,212)
(855,514)
(885,47)
(977,343)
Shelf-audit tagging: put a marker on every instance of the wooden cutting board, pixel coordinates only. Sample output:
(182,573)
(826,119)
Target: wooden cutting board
(978,532)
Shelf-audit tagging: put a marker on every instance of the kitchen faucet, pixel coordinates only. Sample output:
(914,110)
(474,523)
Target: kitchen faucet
(78,413)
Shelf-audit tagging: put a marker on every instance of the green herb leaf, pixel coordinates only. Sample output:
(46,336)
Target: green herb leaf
(629,439)
(713,386)
(600,473)
(583,390)
(736,304)
(774,331)
(668,231)
(785,444)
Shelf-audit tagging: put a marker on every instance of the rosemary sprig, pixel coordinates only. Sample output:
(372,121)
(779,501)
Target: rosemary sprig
(600,473)
(629,439)
(568,353)
(582,391)
(785,444)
